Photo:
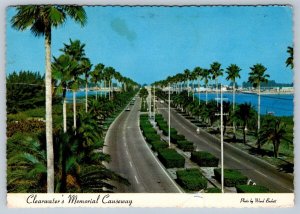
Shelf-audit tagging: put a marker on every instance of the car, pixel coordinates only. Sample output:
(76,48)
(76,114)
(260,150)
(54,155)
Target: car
(162,101)
(127,109)
(133,99)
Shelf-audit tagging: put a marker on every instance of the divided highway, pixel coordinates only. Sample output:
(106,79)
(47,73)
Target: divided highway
(132,158)
(259,171)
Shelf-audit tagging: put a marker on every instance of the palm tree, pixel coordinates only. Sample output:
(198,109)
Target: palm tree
(206,77)
(193,76)
(97,75)
(187,75)
(290,60)
(86,66)
(76,50)
(244,113)
(62,68)
(198,72)
(233,73)
(273,130)
(216,71)
(40,19)
(257,76)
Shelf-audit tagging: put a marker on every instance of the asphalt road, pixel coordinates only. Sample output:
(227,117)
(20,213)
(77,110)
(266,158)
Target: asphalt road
(256,169)
(132,158)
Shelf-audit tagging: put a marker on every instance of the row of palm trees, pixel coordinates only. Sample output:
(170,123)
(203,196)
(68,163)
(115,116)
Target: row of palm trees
(41,19)
(72,69)
(256,77)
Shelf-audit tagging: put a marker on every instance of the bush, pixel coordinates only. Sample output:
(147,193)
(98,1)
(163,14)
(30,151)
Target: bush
(165,131)
(170,158)
(150,137)
(251,189)
(157,145)
(185,145)
(175,138)
(204,159)
(232,177)
(149,130)
(213,190)
(191,179)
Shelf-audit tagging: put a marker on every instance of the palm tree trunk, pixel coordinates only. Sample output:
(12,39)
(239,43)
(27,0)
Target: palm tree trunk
(49,134)
(258,109)
(74,108)
(244,134)
(206,94)
(217,94)
(65,114)
(199,91)
(233,107)
(193,90)
(188,82)
(86,96)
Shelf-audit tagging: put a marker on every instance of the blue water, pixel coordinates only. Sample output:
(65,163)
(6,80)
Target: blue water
(81,94)
(281,105)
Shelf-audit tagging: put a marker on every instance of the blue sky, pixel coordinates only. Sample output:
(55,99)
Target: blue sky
(150,43)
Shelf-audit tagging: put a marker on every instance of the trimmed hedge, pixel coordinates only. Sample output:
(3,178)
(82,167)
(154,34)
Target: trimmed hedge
(204,159)
(185,145)
(157,145)
(191,179)
(251,189)
(232,177)
(213,190)
(170,158)
(177,137)
(150,137)
(165,131)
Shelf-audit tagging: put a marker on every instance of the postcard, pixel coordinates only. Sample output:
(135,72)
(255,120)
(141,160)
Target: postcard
(149,106)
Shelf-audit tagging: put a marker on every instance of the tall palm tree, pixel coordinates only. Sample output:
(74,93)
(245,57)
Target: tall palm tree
(62,68)
(193,77)
(41,19)
(206,77)
(198,72)
(233,72)
(216,71)
(290,60)
(257,76)
(187,74)
(97,75)
(76,50)
(86,66)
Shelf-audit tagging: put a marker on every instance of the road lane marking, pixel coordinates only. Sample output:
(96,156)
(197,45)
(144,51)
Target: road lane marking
(130,163)
(136,180)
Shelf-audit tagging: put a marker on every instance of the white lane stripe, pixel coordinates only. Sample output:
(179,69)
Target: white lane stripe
(136,179)
(130,163)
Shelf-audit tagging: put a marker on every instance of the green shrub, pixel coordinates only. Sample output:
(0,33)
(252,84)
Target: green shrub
(251,189)
(185,145)
(149,130)
(191,179)
(150,137)
(232,177)
(204,159)
(157,145)
(165,131)
(213,190)
(177,137)
(170,158)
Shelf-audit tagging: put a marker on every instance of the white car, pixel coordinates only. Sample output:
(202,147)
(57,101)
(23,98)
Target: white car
(162,101)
